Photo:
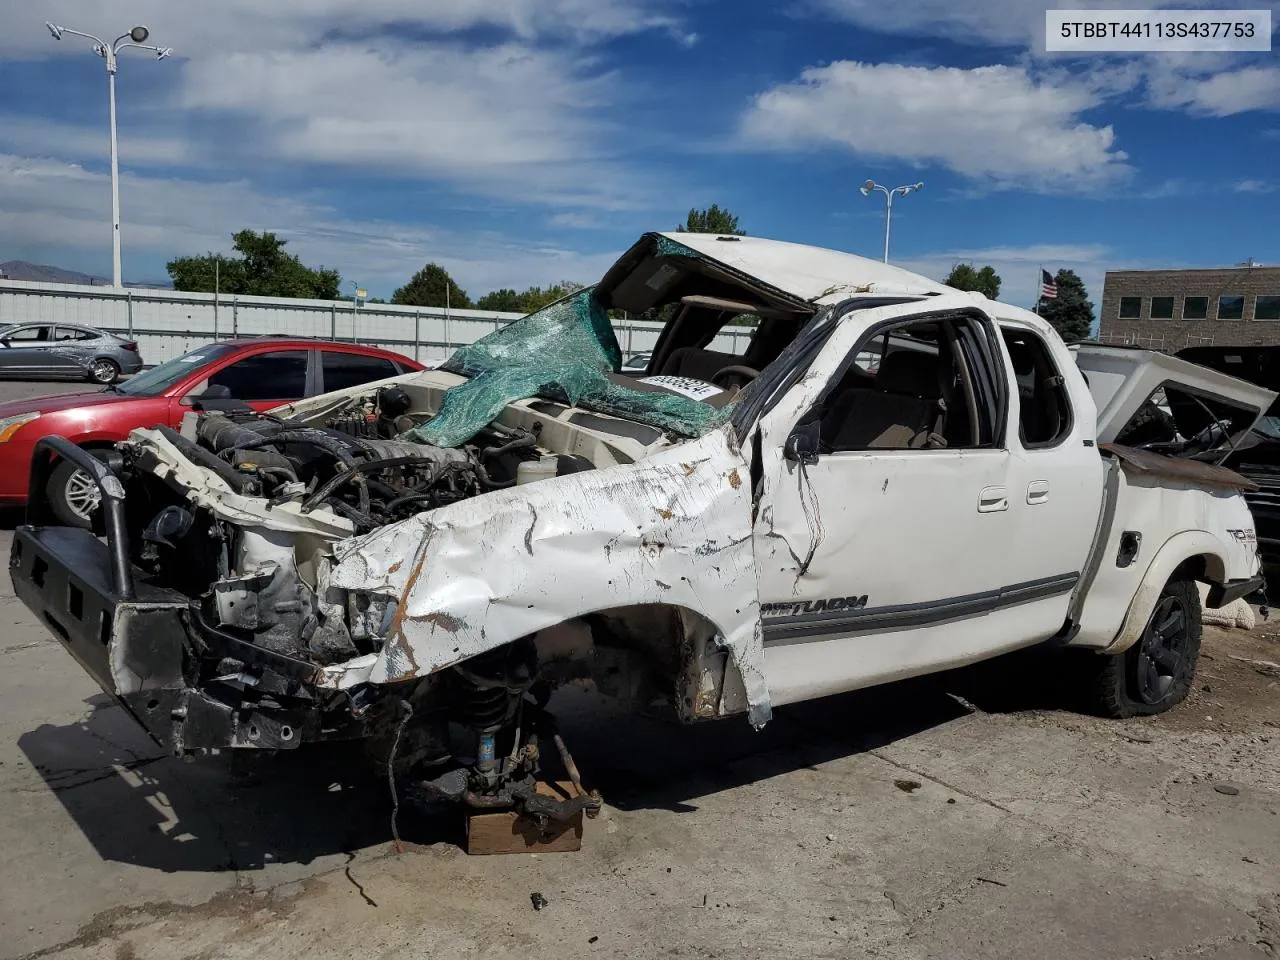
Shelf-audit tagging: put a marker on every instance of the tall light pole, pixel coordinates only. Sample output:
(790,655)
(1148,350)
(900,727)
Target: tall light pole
(108,51)
(870,186)
(356,296)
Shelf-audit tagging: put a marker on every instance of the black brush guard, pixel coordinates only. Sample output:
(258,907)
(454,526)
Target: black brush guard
(143,643)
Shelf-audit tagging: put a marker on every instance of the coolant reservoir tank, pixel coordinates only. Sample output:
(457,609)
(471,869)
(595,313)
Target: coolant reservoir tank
(530,470)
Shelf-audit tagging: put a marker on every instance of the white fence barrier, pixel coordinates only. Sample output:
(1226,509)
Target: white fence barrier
(167,324)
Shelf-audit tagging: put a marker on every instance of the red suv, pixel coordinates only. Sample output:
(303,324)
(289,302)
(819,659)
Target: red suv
(263,372)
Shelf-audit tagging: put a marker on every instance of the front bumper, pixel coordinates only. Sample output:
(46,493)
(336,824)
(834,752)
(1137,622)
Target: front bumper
(147,646)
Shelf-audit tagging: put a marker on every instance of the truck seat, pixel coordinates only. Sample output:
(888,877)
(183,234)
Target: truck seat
(697,363)
(903,410)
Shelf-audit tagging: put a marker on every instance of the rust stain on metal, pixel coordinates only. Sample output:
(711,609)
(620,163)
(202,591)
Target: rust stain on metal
(665,514)
(395,567)
(395,632)
(735,481)
(688,469)
(445,621)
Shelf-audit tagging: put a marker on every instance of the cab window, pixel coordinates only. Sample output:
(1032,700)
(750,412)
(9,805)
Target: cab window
(1044,409)
(923,384)
(281,375)
(342,370)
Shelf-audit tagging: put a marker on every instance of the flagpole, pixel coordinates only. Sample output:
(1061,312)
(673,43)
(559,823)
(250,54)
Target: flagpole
(1039,287)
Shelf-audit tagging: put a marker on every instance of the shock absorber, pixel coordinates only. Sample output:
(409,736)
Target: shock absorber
(487,697)
(484,710)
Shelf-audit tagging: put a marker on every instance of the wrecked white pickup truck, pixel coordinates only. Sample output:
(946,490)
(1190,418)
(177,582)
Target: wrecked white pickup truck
(893,478)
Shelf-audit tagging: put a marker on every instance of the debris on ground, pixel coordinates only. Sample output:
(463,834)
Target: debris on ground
(1226,789)
(1268,668)
(907,786)
(538,900)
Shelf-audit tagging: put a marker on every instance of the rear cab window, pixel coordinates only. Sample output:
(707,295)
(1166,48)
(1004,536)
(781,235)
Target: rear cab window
(341,370)
(1045,417)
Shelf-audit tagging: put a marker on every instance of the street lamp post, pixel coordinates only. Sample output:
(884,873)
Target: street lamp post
(108,51)
(870,186)
(356,296)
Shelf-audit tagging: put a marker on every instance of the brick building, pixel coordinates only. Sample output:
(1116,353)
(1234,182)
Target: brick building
(1171,309)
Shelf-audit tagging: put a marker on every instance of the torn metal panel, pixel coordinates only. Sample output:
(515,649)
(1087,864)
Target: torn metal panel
(1180,469)
(476,575)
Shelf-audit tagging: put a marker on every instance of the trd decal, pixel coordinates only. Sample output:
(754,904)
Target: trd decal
(1244,536)
(802,607)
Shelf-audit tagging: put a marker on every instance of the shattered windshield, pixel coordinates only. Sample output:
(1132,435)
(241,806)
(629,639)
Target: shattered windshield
(564,352)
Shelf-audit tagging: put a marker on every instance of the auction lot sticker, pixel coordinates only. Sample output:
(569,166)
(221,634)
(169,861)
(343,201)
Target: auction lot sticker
(1155,31)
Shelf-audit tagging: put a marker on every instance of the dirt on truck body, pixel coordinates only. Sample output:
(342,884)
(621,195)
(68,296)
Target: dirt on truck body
(892,478)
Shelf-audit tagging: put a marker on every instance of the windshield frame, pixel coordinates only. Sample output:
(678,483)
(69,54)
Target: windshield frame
(163,377)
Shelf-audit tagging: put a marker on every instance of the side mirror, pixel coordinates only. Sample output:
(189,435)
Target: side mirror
(802,444)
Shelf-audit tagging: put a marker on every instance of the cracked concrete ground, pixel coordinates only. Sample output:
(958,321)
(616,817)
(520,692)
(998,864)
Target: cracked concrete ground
(1034,831)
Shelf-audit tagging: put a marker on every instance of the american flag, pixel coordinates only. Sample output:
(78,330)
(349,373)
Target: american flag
(1048,286)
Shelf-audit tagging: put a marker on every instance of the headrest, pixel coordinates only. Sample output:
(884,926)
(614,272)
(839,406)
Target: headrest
(1022,357)
(910,373)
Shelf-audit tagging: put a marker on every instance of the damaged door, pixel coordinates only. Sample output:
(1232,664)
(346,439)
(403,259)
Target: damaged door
(885,538)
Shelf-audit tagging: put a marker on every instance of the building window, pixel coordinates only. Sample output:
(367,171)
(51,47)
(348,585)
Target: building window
(1230,308)
(1130,308)
(1267,307)
(1162,308)
(1195,308)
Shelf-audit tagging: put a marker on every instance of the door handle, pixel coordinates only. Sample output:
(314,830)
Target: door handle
(1037,492)
(993,500)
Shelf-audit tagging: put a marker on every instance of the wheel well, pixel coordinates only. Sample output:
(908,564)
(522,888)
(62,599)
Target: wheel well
(1204,568)
(651,647)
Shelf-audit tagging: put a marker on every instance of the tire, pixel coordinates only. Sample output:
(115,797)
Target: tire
(104,371)
(1155,674)
(73,496)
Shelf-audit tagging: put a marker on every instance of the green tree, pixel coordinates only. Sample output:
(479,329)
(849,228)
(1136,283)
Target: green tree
(711,220)
(1070,312)
(505,300)
(432,287)
(262,269)
(985,281)
(529,300)
(535,298)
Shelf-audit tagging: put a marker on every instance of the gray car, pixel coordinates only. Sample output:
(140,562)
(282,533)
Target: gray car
(65,351)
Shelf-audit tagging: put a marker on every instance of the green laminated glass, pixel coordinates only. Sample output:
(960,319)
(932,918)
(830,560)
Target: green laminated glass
(564,352)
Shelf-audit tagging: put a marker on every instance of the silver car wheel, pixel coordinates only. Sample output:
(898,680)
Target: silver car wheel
(103,371)
(82,495)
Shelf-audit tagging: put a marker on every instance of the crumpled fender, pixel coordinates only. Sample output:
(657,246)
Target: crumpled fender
(674,528)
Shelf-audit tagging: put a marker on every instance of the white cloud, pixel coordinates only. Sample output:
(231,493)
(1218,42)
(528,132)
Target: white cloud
(1253,186)
(194,29)
(518,107)
(574,220)
(1215,95)
(46,204)
(52,138)
(996,124)
(1213,84)
(991,22)
(1017,23)
(510,119)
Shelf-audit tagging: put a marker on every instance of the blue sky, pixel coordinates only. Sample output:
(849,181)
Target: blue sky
(524,142)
